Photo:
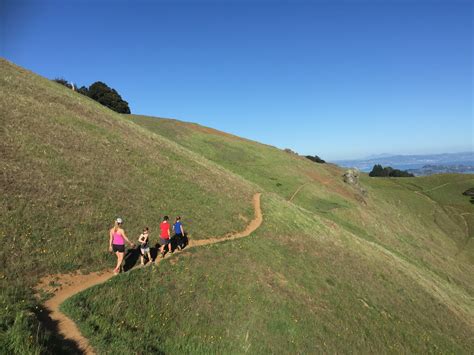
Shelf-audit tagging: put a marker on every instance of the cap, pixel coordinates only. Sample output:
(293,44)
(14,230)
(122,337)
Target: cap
(119,220)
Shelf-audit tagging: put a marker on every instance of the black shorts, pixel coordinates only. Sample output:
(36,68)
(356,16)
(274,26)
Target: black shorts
(118,248)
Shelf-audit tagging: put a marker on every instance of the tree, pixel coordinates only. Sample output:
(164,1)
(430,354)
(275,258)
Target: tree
(379,171)
(107,96)
(316,159)
(63,81)
(83,90)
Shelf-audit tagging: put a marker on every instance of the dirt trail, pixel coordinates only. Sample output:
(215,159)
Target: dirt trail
(64,286)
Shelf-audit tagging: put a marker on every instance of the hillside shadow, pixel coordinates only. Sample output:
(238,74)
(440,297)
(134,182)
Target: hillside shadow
(56,343)
(131,258)
(181,242)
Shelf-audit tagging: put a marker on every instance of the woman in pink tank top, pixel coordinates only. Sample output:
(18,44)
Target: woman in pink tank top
(117,243)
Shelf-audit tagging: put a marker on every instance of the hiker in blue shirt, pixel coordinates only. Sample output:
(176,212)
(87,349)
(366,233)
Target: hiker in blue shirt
(179,233)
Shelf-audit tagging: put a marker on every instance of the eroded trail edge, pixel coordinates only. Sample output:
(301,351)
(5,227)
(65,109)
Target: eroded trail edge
(63,286)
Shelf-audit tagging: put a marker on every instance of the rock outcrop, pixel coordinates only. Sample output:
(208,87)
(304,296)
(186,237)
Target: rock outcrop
(351,177)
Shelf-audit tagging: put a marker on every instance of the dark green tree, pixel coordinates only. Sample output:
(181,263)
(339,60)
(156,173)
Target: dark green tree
(316,159)
(107,96)
(83,90)
(377,170)
(63,82)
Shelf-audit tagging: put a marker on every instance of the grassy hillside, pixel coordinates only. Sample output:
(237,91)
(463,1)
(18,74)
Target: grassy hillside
(69,167)
(332,270)
(268,167)
(298,285)
(397,213)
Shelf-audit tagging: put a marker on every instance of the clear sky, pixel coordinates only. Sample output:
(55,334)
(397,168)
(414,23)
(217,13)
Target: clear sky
(340,79)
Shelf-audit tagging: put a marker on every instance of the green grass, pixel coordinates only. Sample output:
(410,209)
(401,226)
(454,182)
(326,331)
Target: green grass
(70,166)
(274,292)
(429,234)
(331,271)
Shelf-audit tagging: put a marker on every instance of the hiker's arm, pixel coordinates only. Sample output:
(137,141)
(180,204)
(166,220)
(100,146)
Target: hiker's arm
(110,240)
(182,230)
(125,237)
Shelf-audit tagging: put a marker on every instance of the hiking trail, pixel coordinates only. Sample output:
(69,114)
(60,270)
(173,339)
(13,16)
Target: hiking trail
(64,286)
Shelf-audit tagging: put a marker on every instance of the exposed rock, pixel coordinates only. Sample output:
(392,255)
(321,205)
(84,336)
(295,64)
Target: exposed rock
(351,177)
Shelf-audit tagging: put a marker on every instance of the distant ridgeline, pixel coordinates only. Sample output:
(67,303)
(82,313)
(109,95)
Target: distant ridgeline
(379,171)
(101,93)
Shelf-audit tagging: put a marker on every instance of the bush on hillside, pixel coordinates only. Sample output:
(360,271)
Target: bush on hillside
(83,90)
(107,96)
(63,82)
(469,192)
(289,151)
(316,159)
(379,171)
(101,93)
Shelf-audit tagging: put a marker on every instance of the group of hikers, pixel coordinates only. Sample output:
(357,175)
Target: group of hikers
(118,238)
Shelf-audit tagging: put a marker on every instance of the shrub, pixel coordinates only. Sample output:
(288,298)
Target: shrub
(107,96)
(63,81)
(101,93)
(316,159)
(388,171)
(469,192)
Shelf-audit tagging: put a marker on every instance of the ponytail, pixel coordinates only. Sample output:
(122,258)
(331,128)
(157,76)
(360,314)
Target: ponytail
(116,226)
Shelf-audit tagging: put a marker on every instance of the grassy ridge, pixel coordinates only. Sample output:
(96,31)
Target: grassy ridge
(266,166)
(69,167)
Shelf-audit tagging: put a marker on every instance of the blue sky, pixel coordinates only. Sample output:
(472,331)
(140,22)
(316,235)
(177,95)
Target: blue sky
(340,79)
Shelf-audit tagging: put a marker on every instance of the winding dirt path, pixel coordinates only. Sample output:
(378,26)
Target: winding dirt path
(64,286)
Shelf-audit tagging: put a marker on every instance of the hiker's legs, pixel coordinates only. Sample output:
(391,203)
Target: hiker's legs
(149,257)
(142,259)
(119,261)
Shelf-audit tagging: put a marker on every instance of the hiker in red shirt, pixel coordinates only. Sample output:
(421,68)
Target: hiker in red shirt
(165,236)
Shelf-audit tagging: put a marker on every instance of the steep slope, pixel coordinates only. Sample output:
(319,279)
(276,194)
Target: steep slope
(69,167)
(383,272)
(390,214)
(267,166)
(331,270)
(299,284)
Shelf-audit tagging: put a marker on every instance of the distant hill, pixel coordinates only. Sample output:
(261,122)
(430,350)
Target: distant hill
(405,162)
